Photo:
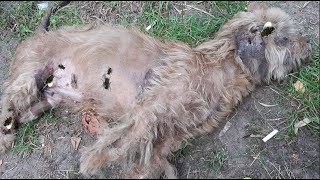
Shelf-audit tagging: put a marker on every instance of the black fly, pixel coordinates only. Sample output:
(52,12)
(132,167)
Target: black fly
(61,66)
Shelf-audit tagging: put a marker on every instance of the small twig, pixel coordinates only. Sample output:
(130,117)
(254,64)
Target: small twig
(217,7)
(280,124)
(275,119)
(305,4)
(290,174)
(179,11)
(279,170)
(279,94)
(256,157)
(298,6)
(205,12)
(97,18)
(268,105)
(262,115)
(188,172)
(200,10)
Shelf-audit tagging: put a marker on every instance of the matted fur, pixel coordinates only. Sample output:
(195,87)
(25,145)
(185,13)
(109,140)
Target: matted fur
(159,93)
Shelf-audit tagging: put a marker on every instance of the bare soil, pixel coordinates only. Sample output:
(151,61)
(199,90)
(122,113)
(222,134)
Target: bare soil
(240,154)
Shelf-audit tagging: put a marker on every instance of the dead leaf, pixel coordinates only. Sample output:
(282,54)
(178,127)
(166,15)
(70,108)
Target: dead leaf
(225,129)
(300,124)
(75,141)
(299,86)
(1,161)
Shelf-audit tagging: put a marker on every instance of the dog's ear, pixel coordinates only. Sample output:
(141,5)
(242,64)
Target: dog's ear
(257,6)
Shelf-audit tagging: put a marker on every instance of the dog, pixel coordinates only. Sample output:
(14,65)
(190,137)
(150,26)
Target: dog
(151,95)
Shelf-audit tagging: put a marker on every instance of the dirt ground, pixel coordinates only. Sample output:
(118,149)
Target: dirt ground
(221,154)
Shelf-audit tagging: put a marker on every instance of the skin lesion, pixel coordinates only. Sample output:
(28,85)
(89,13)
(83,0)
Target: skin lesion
(106,79)
(74,81)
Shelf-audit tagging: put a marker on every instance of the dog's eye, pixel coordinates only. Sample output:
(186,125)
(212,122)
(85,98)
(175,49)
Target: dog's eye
(282,41)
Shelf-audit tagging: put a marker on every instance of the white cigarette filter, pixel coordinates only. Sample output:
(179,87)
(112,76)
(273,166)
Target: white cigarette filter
(269,136)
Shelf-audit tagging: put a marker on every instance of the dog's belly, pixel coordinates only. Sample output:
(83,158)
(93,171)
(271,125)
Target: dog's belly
(108,85)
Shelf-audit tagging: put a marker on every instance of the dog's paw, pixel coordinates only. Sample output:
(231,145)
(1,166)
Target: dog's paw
(6,141)
(7,136)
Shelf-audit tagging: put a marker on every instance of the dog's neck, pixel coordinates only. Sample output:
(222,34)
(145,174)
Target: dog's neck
(251,62)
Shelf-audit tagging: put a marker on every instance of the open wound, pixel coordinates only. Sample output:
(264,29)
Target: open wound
(74,81)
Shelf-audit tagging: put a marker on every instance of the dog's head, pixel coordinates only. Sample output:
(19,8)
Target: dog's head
(269,42)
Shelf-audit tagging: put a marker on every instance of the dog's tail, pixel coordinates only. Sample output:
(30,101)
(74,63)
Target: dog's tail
(45,23)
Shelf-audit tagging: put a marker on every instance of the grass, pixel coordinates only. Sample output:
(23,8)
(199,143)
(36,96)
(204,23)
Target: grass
(23,18)
(216,159)
(184,150)
(191,29)
(28,135)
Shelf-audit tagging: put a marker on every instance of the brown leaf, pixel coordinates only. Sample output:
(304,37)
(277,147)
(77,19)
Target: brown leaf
(75,141)
(299,86)
(1,161)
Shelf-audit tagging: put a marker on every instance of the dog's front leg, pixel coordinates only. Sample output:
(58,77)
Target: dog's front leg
(7,135)
(35,111)
(21,102)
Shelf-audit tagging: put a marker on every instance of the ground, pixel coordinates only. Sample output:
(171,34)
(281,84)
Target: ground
(234,150)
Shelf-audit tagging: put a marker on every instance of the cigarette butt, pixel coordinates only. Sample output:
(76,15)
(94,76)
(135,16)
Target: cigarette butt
(269,136)
(149,27)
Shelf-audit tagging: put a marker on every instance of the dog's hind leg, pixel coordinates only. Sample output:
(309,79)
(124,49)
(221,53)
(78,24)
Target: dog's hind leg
(159,164)
(162,114)
(35,111)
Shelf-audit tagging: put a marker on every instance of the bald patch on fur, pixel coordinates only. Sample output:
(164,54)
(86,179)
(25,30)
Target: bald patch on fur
(250,47)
